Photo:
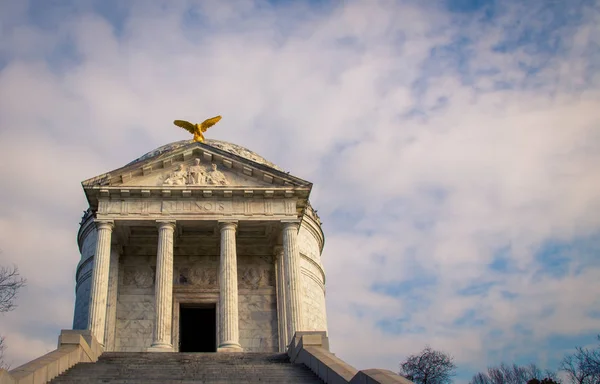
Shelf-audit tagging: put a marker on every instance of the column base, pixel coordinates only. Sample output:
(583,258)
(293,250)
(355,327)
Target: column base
(230,347)
(160,348)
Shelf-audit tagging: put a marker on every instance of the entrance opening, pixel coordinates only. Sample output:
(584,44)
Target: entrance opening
(197,328)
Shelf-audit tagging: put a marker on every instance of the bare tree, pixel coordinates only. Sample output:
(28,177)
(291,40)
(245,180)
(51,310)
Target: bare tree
(583,366)
(429,367)
(514,374)
(10,283)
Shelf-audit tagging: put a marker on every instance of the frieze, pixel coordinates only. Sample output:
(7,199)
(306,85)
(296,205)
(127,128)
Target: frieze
(118,208)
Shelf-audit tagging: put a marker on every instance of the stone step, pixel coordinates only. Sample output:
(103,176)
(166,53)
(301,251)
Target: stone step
(143,367)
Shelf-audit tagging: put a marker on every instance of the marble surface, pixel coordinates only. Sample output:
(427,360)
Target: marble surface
(271,305)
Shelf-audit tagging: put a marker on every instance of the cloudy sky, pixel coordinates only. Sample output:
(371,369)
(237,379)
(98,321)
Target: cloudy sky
(454,147)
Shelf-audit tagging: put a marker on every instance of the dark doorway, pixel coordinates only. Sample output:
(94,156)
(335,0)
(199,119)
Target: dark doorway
(197,328)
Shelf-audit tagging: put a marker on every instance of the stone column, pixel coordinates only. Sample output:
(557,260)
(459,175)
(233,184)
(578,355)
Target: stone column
(163,290)
(99,288)
(111,304)
(291,275)
(229,333)
(281,317)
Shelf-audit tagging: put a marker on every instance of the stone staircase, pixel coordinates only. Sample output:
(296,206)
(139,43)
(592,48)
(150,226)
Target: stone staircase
(134,367)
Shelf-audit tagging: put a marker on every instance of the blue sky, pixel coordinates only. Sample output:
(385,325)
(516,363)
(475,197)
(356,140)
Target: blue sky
(453,146)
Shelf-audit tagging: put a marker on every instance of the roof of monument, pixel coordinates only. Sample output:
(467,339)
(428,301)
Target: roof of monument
(223,145)
(237,173)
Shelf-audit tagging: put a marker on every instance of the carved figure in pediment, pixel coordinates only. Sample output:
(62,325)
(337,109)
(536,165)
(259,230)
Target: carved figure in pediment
(196,173)
(216,177)
(177,177)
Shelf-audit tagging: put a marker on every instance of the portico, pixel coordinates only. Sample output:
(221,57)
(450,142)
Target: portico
(166,284)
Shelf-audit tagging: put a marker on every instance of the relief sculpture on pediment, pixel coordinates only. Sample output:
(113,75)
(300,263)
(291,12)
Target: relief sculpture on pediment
(177,177)
(196,174)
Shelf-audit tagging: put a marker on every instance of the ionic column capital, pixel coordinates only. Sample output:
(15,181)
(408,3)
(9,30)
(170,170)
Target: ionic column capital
(104,224)
(229,224)
(169,224)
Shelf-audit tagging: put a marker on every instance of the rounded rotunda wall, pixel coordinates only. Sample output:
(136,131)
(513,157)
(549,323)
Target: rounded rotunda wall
(86,239)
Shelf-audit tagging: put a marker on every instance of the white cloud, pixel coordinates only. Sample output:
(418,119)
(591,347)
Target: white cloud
(350,99)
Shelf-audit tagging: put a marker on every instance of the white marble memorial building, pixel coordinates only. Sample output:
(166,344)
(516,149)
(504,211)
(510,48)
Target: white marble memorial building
(199,247)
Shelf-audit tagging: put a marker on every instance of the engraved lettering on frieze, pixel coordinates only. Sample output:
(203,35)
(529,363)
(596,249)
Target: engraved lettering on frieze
(139,276)
(196,174)
(198,206)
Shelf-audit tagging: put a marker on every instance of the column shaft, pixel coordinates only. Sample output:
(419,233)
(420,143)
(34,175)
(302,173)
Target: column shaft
(163,291)
(281,316)
(111,304)
(99,288)
(228,291)
(291,273)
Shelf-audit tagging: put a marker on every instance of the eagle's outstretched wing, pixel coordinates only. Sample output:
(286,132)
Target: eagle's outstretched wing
(191,128)
(209,123)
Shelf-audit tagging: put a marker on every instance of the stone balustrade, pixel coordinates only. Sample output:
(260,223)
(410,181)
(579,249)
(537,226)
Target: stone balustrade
(312,350)
(73,347)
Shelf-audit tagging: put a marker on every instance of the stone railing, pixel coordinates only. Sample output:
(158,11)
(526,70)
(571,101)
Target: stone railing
(312,350)
(73,347)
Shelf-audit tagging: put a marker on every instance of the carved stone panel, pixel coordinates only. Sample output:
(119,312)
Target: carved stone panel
(138,276)
(198,275)
(150,208)
(195,174)
(197,271)
(255,272)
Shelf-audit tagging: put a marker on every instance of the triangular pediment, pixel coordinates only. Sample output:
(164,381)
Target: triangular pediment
(195,172)
(196,166)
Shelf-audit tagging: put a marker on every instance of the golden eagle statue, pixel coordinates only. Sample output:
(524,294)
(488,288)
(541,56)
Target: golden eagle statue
(197,129)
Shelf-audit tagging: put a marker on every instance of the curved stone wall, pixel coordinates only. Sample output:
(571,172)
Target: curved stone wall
(86,240)
(311,241)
